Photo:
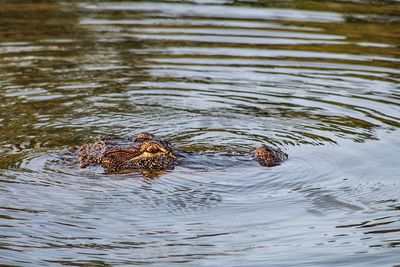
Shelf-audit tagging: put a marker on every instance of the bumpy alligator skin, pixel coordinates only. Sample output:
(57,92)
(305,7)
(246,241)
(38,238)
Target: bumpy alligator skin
(145,152)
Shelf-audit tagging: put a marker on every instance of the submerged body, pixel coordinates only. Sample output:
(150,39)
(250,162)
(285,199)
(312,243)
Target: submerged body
(146,153)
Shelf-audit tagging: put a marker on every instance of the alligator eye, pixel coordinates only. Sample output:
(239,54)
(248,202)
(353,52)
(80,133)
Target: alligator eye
(152,149)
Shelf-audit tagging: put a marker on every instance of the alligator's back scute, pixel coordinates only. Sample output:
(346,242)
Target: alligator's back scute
(268,156)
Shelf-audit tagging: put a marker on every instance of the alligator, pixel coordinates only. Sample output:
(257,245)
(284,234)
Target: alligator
(147,153)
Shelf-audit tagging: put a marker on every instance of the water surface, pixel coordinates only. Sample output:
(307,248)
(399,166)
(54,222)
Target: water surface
(318,79)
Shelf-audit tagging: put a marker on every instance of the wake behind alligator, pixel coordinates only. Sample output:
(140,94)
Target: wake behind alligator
(147,153)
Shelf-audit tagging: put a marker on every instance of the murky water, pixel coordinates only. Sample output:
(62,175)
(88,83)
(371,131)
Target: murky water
(318,79)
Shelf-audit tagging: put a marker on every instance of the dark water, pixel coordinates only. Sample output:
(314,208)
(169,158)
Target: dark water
(318,79)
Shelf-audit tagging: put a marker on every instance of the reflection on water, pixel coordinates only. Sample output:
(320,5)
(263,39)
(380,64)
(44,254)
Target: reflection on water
(319,79)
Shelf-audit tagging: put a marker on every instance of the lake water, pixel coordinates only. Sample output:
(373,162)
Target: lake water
(317,79)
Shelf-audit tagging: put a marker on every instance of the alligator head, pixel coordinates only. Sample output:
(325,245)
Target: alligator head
(144,152)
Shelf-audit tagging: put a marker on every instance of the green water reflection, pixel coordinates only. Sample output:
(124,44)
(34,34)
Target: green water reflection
(319,79)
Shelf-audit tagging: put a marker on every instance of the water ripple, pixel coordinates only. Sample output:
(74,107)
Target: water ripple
(318,80)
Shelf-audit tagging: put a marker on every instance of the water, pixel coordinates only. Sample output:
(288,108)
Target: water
(318,79)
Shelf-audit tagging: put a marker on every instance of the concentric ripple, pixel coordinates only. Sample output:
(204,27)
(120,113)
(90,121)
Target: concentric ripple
(317,79)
